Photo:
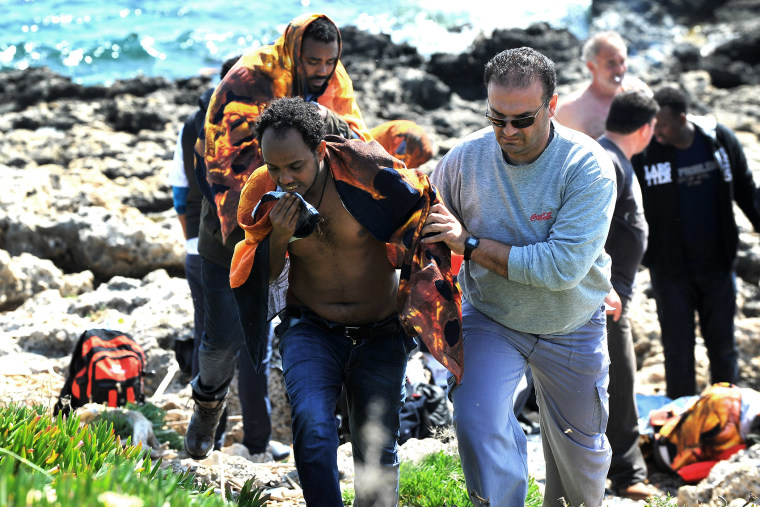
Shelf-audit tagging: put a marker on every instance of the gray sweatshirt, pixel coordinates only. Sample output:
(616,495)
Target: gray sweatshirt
(554,212)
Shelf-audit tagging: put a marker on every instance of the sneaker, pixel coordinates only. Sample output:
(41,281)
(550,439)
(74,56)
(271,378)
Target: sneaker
(199,439)
(279,451)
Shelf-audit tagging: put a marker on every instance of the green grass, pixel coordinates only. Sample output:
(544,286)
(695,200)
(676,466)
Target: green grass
(348,495)
(58,462)
(436,481)
(534,497)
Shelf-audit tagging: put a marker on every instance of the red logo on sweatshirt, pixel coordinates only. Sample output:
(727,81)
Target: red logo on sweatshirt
(543,216)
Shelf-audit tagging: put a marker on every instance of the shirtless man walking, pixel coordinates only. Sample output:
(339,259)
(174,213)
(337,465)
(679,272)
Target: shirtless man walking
(341,325)
(606,57)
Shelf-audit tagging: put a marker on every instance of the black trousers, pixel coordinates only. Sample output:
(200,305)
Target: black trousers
(627,466)
(712,295)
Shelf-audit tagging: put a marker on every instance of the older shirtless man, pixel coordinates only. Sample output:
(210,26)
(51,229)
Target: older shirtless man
(606,58)
(348,318)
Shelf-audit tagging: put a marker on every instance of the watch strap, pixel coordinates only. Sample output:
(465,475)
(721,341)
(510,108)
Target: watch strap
(470,244)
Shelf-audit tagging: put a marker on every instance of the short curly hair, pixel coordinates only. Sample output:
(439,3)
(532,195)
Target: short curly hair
(292,113)
(322,30)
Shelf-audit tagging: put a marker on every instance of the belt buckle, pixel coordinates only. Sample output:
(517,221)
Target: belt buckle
(347,333)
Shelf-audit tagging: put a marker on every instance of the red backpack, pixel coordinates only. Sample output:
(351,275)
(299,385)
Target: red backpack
(107,367)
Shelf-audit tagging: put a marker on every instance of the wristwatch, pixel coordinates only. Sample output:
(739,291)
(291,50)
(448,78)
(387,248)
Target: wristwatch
(470,244)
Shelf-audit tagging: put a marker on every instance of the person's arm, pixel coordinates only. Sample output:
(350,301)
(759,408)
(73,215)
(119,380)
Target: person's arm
(183,222)
(612,302)
(574,243)
(746,193)
(577,236)
(442,225)
(336,125)
(445,224)
(179,183)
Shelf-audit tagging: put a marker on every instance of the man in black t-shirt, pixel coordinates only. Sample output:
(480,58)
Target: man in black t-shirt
(628,130)
(690,175)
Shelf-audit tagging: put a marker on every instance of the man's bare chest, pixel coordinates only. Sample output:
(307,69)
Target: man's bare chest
(337,232)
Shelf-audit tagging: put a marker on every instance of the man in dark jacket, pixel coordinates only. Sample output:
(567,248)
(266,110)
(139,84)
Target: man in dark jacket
(690,176)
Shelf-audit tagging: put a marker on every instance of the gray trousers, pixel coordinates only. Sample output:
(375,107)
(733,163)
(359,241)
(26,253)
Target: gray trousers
(570,373)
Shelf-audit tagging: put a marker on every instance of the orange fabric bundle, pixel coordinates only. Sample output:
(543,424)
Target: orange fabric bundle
(707,428)
(405,140)
(231,151)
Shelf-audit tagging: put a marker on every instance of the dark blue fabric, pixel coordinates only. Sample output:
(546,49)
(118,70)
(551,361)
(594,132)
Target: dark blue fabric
(318,361)
(382,217)
(699,181)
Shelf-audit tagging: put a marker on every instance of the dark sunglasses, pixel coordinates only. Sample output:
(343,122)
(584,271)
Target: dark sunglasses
(518,123)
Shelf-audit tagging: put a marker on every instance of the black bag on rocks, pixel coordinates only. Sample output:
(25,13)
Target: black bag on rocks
(424,411)
(107,367)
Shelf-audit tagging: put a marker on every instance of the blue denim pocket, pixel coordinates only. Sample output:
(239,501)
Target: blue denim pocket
(404,344)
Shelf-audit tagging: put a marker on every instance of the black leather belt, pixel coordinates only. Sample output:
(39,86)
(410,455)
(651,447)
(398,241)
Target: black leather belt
(353,333)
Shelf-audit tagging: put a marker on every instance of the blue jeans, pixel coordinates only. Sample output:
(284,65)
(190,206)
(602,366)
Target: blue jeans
(570,375)
(713,296)
(317,361)
(222,347)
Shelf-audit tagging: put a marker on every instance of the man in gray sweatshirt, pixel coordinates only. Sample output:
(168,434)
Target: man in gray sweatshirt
(529,203)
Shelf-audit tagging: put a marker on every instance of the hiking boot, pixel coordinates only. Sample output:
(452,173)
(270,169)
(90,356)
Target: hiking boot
(279,451)
(199,439)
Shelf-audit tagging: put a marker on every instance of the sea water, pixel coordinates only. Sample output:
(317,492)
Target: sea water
(97,42)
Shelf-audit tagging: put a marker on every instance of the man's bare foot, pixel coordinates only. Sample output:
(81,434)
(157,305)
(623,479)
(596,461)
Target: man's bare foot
(639,491)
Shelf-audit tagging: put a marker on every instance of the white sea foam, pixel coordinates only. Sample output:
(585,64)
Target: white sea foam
(77,38)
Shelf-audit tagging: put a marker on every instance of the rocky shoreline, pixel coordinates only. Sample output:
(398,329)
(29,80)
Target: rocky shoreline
(88,236)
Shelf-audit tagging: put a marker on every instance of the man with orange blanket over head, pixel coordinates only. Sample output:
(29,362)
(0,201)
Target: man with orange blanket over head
(304,62)
(345,215)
